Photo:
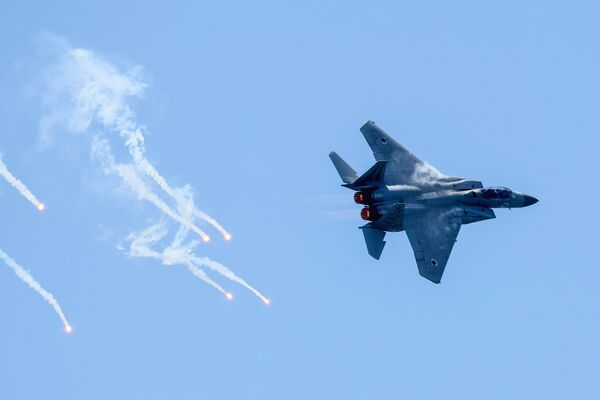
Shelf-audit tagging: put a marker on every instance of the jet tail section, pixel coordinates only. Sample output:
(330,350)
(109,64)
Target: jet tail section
(372,178)
(346,172)
(374,241)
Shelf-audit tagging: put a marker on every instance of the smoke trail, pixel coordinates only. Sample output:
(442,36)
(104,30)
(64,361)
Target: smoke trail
(101,150)
(20,186)
(99,92)
(29,280)
(135,144)
(202,275)
(129,176)
(179,253)
(149,169)
(85,90)
(140,247)
(226,272)
(182,253)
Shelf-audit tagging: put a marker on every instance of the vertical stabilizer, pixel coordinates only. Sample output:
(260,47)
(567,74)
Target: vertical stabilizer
(346,172)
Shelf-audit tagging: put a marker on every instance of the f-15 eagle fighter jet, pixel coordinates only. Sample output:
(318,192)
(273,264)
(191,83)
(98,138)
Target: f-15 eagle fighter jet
(403,193)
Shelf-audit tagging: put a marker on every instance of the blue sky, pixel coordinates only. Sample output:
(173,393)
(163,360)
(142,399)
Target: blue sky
(246,100)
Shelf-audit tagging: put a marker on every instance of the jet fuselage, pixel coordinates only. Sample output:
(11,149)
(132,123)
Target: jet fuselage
(401,192)
(470,205)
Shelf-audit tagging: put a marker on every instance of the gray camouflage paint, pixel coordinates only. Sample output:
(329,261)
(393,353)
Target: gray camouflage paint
(403,193)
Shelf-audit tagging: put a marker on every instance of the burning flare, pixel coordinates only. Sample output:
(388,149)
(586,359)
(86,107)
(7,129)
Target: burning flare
(99,92)
(20,186)
(29,280)
(86,92)
(181,253)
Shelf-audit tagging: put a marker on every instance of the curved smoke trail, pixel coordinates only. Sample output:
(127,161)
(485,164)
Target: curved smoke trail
(83,90)
(179,253)
(98,91)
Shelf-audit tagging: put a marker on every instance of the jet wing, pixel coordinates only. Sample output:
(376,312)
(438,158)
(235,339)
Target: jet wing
(403,167)
(385,147)
(432,233)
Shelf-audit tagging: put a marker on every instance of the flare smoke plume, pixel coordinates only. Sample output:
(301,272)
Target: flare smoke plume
(29,280)
(84,91)
(96,91)
(181,253)
(20,186)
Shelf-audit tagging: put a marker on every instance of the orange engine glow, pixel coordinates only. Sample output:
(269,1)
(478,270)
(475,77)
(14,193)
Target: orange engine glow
(365,213)
(369,213)
(359,198)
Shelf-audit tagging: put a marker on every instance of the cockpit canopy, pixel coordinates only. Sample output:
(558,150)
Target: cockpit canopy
(497,193)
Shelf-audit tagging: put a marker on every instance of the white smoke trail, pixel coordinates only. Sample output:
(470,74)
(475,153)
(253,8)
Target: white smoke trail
(29,280)
(179,253)
(83,90)
(101,150)
(140,247)
(181,200)
(199,273)
(226,272)
(135,144)
(20,186)
(99,92)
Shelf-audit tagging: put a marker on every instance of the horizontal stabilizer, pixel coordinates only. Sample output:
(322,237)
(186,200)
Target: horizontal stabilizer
(372,178)
(346,172)
(374,241)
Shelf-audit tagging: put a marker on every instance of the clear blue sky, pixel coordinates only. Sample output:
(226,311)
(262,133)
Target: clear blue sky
(247,99)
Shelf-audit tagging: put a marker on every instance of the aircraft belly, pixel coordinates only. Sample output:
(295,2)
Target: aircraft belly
(472,214)
(392,219)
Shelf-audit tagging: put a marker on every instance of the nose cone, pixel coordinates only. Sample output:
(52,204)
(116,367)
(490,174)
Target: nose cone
(529,200)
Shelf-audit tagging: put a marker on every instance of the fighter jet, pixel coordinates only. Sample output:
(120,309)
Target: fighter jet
(401,192)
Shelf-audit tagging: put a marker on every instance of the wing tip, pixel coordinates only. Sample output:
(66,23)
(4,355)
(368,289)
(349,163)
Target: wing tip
(367,125)
(434,279)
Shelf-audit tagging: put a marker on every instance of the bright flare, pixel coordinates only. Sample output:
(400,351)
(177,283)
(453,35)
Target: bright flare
(229,296)
(20,186)
(227,236)
(267,301)
(26,277)
(41,206)
(68,329)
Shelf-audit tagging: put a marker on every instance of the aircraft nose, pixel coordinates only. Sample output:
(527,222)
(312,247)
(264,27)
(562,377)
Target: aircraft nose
(529,200)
